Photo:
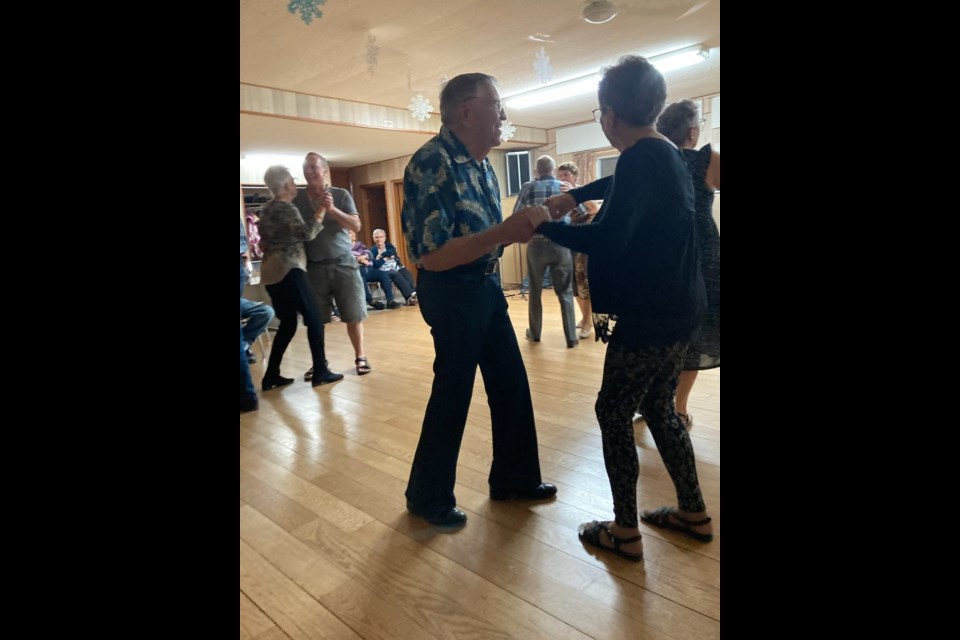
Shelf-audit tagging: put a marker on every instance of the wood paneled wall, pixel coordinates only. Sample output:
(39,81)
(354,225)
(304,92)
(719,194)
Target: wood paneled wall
(267,101)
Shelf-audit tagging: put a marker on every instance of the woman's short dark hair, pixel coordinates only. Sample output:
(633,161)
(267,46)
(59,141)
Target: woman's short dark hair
(634,89)
(458,89)
(676,120)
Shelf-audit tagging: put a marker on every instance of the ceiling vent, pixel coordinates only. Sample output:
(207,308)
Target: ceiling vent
(599,12)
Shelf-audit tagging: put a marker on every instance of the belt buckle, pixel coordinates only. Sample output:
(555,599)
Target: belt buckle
(491,268)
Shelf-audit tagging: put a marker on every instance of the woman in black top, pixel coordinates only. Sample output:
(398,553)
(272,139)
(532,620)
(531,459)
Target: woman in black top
(648,215)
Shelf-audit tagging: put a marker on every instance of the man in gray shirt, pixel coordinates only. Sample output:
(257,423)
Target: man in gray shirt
(331,267)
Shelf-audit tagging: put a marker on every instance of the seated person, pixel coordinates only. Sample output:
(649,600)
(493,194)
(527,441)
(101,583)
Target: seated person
(365,259)
(258,315)
(387,263)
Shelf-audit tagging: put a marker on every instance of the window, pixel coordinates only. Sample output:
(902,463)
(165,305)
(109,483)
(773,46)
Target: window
(518,171)
(606,166)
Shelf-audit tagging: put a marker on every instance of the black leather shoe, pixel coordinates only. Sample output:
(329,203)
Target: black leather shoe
(452,518)
(326,377)
(379,306)
(308,376)
(251,359)
(271,382)
(540,492)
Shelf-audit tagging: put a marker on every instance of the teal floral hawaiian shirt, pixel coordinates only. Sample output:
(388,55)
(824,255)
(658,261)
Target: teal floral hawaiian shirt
(447,194)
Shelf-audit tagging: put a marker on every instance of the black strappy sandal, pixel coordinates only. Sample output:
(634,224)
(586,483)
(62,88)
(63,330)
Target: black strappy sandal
(662,518)
(590,533)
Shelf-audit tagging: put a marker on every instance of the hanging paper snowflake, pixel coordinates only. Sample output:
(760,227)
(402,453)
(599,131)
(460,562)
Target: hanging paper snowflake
(542,66)
(507,130)
(420,107)
(309,9)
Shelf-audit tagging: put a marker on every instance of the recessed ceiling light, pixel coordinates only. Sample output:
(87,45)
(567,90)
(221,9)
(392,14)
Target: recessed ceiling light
(599,12)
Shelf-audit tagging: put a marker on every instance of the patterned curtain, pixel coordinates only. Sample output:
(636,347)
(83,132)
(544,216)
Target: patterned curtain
(585,163)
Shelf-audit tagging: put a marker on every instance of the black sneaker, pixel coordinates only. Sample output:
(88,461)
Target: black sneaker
(251,359)
(379,306)
(272,382)
(393,304)
(326,377)
(308,376)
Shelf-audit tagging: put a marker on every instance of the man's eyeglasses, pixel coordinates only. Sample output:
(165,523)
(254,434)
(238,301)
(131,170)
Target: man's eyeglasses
(597,113)
(496,104)
(701,122)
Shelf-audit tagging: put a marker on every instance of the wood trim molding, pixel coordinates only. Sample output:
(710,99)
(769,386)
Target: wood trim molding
(264,101)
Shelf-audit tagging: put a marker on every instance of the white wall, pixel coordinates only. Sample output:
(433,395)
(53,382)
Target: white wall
(253,166)
(581,138)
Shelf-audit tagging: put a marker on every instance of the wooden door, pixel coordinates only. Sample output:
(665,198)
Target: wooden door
(396,228)
(373,210)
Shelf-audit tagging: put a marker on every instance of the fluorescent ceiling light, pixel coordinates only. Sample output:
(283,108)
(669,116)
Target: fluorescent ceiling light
(679,59)
(555,92)
(562,90)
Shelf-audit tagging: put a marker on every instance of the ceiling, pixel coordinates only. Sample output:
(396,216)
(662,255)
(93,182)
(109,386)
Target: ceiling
(417,43)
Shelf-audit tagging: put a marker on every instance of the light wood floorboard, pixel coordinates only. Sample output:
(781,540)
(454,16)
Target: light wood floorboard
(327,549)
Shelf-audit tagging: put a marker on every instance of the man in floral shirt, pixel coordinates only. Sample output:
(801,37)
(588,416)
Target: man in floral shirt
(455,231)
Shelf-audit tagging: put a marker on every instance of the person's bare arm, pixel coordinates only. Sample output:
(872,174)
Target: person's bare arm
(713,170)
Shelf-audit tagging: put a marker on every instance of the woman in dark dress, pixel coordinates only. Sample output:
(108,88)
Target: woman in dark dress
(681,123)
(647,213)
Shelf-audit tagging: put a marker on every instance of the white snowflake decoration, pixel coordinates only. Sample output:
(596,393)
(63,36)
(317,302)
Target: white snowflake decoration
(542,66)
(420,107)
(507,130)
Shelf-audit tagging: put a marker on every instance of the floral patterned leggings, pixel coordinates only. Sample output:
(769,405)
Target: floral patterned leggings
(646,377)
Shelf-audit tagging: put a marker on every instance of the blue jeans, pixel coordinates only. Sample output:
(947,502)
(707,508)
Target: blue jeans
(402,278)
(259,316)
(247,389)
